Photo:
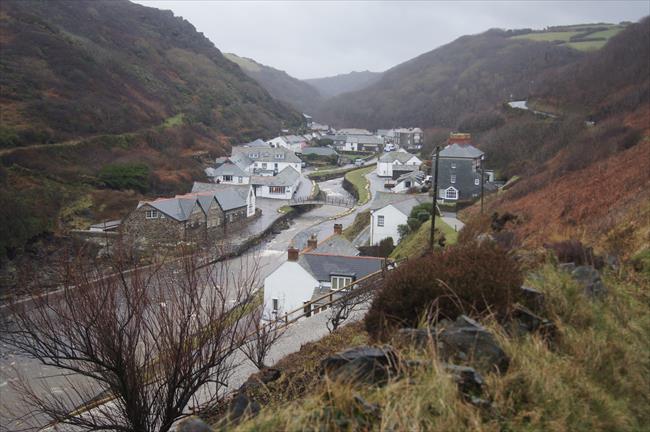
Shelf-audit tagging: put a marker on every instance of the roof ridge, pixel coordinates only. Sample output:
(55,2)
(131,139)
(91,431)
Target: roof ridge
(345,256)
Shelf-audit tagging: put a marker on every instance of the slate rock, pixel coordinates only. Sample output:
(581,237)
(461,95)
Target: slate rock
(194,424)
(567,267)
(362,364)
(468,379)
(368,408)
(268,375)
(419,338)
(526,321)
(531,298)
(241,406)
(589,278)
(471,343)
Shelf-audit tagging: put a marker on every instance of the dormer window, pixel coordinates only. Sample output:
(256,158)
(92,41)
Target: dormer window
(339,282)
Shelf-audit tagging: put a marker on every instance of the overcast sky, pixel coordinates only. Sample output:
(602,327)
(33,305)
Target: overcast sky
(317,39)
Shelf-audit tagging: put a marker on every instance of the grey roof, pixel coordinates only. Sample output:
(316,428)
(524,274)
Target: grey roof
(364,139)
(320,151)
(228,168)
(413,175)
(265,154)
(241,160)
(229,199)
(178,208)
(241,190)
(323,266)
(353,131)
(461,151)
(391,157)
(336,245)
(287,177)
(382,199)
(258,143)
(405,206)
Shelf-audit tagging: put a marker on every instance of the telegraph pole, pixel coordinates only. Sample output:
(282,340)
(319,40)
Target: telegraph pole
(482,181)
(435,199)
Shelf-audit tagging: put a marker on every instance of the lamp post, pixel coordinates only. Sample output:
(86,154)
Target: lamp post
(435,198)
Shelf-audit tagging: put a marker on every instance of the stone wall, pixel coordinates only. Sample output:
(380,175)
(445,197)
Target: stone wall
(162,230)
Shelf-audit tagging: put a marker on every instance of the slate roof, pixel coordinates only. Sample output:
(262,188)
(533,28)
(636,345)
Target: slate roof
(323,266)
(228,168)
(241,160)
(320,151)
(364,139)
(413,175)
(461,151)
(265,154)
(382,199)
(258,143)
(241,190)
(336,245)
(287,177)
(353,131)
(391,157)
(180,207)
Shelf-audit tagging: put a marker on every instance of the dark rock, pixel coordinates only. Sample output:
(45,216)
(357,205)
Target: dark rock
(420,338)
(366,364)
(268,375)
(468,379)
(589,278)
(531,298)
(612,261)
(468,342)
(241,406)
(194,424)
(567,267)
(528,322)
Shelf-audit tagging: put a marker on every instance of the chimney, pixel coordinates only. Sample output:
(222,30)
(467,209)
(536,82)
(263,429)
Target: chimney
(292,254)
(338,229)
(312,242)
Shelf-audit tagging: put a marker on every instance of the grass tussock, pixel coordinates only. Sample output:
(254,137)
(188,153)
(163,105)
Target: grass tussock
(595,376)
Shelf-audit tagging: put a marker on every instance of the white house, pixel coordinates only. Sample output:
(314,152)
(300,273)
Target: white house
(281,186)
(265,161)
(228,173)
(390,160)
(388,211)
(230,192)
(307,276)
(413,179)
(294,143)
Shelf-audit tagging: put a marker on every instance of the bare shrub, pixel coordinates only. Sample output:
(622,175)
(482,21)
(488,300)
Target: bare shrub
(574,251)
(262,336)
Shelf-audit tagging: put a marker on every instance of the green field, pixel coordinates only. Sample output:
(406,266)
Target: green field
(580,37)
(360,182)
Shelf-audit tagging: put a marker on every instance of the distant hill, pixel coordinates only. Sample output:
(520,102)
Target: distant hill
(96,89)
(344,83)
(280,85)
(439,88)
(583,37)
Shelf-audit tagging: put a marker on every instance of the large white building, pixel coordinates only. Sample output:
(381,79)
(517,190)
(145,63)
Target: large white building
(265,161)
(294,143)
(388,161)
(281,186)
(388,211)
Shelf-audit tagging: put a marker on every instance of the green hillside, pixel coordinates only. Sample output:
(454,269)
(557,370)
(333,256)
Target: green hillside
(583,37)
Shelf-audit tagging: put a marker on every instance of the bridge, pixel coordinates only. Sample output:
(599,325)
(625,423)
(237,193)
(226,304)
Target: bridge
(323,199)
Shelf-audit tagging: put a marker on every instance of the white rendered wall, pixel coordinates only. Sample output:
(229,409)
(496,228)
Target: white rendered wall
(291,284)
(392,218)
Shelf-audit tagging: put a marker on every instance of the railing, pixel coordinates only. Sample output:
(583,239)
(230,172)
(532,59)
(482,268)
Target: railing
(323,199)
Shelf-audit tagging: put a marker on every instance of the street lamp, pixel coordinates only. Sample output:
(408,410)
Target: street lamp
(435,198)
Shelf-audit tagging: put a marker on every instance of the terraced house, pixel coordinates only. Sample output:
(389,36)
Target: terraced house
(198,217)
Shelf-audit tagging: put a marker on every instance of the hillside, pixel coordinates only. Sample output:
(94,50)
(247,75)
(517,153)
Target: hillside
(583,37)
(280,85)
(94,88)
(332,86)
(440,88)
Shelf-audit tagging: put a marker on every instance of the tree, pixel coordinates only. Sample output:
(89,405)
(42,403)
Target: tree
(153,339)
(348,301)
(263,335)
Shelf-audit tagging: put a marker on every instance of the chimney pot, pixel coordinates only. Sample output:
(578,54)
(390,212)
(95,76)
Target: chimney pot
(312,242)
(338,229)
(292,254)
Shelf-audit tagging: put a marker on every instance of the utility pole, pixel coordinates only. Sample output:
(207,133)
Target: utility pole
(482,181)
(435,199)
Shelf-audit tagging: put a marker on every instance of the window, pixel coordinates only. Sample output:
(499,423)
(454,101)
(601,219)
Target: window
(279,156)
(453,178)
(151,214)
(453,165)
(227,178)
(276,305)
(240,179)
(276,189)
(339,282)
(451,193)
(264,165)
(380,221)
(477,182)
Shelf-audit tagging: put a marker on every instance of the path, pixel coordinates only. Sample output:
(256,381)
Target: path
(451,220)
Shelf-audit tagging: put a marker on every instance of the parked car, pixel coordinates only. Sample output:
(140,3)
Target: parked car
(358,162)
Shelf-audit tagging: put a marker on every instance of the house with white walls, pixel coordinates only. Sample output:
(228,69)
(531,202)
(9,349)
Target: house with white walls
(281,186)
(295,143)
(388,161)
(388,211)
(308,275)
(412,179)
(266,161)
(228,173)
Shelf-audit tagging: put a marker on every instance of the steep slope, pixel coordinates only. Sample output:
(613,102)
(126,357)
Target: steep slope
(439,88)
(279,84)
(94,90)
(332,86)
